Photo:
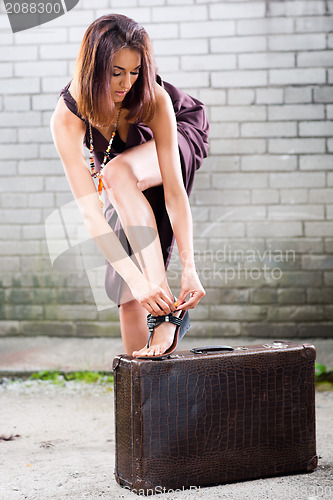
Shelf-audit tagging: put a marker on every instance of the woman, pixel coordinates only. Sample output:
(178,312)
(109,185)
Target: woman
(146,140)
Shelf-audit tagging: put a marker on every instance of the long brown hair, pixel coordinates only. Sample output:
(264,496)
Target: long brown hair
(94,69)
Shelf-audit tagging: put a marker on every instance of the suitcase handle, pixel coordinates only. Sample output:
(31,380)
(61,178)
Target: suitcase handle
(210,348)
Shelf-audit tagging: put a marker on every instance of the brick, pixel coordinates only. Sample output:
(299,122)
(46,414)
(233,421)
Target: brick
(316,162)
(239,10)
(291,296)
(56,184)
(219,164)
(9,327)
(20,216)
(218,296)
(330,75)
(330,145)
(59,51)
(272,228)
(318,262)
(19,53)
(241,96)
(265,129)
(296,76)
(237,146)
(299,245)
(219,229)
(294,196)
(10,232)
(315,58)
(6,70)
(8,168)
(43,102)
(207,29)
(8,135)
(329,111)
(19,119)
(266,60)
(323,94)
(160,30)
(180,47)
(319,129)
(263,296)
(76,17)
(208,62)
(41,68)
(264,26)
(268,162)
(212,96)
(330,41)
(269,96)
(235,197)
(296,8)
(297,42)
(186,79)
(297,180)
(292,313)
(329,212)
(19,86)
(269,330)
(41,37)
(238,213)
(298,94)
(17,103)
(296,112)
(41,200)
(226,129)
(312,24)
(238,113)
(315,330)
(318,228)
(54,84)
(328,279)
(14,200)
(21,151)
(266,196)
(40,167)
(296,212)
(36,134)
(234,312)
(321,195)
(240,180)
(294,146)
(185,13)
(239,44)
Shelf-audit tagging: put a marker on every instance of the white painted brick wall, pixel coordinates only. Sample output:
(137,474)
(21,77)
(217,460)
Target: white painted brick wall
(264,71)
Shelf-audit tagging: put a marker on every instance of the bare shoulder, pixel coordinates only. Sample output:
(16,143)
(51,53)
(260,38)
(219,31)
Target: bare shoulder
(65,119)
(162,97)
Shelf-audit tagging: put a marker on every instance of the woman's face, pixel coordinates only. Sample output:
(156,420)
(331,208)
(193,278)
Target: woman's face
(126,71)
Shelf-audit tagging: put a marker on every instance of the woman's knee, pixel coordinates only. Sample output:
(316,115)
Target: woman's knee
(118,174)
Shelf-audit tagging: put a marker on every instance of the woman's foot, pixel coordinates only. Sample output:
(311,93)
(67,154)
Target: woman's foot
(161,340)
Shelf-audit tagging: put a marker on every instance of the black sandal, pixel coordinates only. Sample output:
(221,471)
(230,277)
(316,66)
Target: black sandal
(183,325)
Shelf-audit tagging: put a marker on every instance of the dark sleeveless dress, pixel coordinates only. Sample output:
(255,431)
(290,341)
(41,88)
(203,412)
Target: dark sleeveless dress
(192,128)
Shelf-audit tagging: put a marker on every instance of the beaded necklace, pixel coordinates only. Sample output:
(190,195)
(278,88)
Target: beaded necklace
(94,172)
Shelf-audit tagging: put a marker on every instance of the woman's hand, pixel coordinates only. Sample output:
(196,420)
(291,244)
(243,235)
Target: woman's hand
(190,284)
(152,297)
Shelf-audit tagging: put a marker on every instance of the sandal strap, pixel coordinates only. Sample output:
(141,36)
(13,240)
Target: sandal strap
(154,321)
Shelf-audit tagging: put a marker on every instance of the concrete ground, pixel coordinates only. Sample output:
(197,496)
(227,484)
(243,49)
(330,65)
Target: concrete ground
(62,438)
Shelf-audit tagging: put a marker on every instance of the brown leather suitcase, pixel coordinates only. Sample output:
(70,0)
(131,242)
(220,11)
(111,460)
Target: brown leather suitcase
(214,416)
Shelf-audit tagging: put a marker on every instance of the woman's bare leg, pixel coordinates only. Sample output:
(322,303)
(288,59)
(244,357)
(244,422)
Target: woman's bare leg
(125,177)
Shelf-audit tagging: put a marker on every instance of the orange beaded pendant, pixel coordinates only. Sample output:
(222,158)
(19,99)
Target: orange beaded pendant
(95,173)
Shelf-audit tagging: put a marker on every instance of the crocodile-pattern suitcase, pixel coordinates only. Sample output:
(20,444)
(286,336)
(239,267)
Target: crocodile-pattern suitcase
(215,415)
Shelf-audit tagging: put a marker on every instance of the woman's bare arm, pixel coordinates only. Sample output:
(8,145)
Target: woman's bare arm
(68,132)
(164,128)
